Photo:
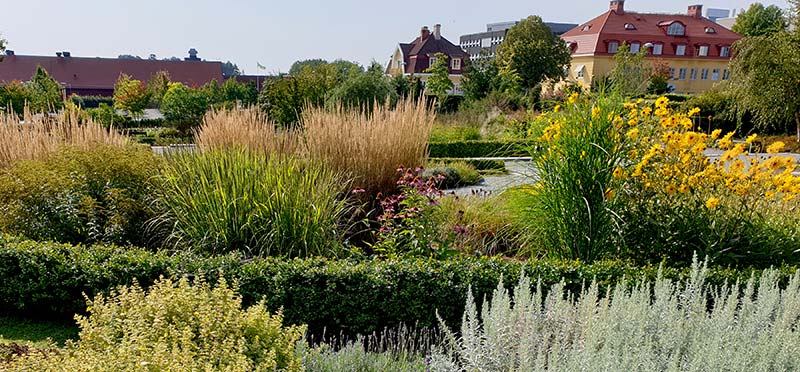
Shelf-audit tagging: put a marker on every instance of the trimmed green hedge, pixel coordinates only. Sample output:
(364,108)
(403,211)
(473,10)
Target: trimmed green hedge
(479,164)
(479,149)
(348,296)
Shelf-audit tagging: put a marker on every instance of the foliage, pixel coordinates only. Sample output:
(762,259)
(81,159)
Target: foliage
(284,100)
(479,148)
(453,174)
(480,78)
(44,92)
(532,51)
(631,74)
(242,93)
(439,82)
(34,332)
(157,87)
(362,91)
(14,96)
(659,325)
(106,116)
(759,20)
(455,132)
(337,295)
(230,69)
(763,79)
(406,87)
(298,66)
(717,111)
(89,102)
(175,326)
(478,164)
(220,201)
(130,96)
(184,107)
(80,196)
(396,350)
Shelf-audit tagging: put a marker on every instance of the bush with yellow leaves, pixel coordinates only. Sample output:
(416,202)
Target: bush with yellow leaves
(175,326)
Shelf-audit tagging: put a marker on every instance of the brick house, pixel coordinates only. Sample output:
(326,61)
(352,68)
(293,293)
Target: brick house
(414,58)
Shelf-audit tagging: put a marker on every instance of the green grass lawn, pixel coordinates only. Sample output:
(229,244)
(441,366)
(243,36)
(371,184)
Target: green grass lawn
(36,332)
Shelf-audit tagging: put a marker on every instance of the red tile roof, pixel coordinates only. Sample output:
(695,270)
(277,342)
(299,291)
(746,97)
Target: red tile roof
(102,73)
(421,48)
(649,28)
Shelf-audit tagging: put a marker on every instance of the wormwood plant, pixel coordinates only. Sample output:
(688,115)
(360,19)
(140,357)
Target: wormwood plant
(219,201)
(175,326)
(652,326)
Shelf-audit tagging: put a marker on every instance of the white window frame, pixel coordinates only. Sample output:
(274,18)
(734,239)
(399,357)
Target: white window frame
(658,49)
(613,46)
(704,74)
(672,73)
(680,50)
(456,64)
(693,74)
(635,47)
(725,51)
(702,51)
(676,29)
(726,74)
(431,61)
(715,74)
(682,73)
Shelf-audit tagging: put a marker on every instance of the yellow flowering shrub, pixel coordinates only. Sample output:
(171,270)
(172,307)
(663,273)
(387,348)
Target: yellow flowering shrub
(175,326)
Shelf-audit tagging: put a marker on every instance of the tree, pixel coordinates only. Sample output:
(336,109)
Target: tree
(214,94)
(346,69)
(300,65)
(2,48)
(362,91)
(131,96)
(13,96)
(184,107)
(439,82)
(128,56)
(234,91)
(765,79)
(230,69)
(157,87)
(631,74)
(759,20)
(534,52)
(44,92)
(480,78)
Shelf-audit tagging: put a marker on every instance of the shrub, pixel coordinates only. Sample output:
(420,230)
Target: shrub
(369,148)
(80,195)
(448,133)
(184,107)
(14,97)
(479,149)
(654,326)
(107,116)
(362,91)
(248,128)
(350,296)
(42,135)
(454,174)
(478,164)
(234,200)
(174,326)
(88,102)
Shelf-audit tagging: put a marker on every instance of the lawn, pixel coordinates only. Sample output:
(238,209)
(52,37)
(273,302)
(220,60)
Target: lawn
(36,332)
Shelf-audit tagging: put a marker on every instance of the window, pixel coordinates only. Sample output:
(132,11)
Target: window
(682,73)
(432,61)
(456,64)
(693,74)
(715,74)
(726,74)
(630,26)
(676,29)
(658,49)
(580,74)
(587,28)
(704,74)
(398,64)
(711,30)
(635,47)
(680,50)
(613,46)
(725,51)
(579,71)
(703,51)
(672,73)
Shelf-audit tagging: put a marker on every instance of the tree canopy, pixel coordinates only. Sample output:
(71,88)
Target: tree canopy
(439,82)
(44,92)
(533,52)
(759,20)
(131,96)
(184,107)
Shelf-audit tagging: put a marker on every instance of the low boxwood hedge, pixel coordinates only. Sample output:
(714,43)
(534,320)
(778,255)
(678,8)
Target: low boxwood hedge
(479,149)
(479,164)
(350,296)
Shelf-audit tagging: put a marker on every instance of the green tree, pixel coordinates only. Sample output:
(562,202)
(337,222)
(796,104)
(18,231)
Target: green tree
(439,82)
(480,78)
(157,86)
(534,52)
(131,96)
(759,20)
(346,69)
(184,107)
(765,80)
(631,74)
(230,69)
(363,91)
(244,94)
(14,96)
(214,94)
(300,65)
(44,92)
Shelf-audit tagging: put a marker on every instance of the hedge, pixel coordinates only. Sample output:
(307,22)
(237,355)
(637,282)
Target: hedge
(479,149)
(350,296)
(87,102)
(479,164)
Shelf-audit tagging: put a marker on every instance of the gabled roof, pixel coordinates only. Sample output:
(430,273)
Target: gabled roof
(428,46)
(102,73)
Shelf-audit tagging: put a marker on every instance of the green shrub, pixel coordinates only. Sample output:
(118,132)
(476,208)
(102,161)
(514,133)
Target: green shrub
(89,102)
(478,149)
(184,107)
(349,296)
(478,164)
(453,174)
(80,196)
(234,200)
(451,132)
(659,325)
(175,326)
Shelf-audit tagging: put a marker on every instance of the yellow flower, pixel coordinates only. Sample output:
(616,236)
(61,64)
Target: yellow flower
(633,133)
(775,147)
(683,188)
(662,102)
(595,112)
(769,194)
(712,203)
(618,173)
(558,107)
(670,189)
(573,98)
(751,138)
(694,111)
(715,134)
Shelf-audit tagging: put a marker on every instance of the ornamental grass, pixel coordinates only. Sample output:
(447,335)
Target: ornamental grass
(247,127)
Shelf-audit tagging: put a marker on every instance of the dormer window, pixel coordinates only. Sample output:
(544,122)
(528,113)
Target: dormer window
(613,46)
(676,29)
(711,30)
(630,26)
(456,64)
(725,51)
(635,47)
(702,51)
(587,28)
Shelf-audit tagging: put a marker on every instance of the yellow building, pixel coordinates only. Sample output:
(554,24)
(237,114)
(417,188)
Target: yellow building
(694,49)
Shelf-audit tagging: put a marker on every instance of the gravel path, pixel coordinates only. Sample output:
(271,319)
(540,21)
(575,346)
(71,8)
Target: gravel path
(520,171)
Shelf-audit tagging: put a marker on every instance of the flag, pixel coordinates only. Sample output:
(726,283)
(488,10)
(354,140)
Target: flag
(260,66)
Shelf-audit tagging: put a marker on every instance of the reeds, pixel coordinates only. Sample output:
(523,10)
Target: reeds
(369,147)
(248,128)
(36,136)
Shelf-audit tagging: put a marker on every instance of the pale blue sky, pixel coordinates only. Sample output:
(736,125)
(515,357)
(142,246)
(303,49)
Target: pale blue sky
(276,33)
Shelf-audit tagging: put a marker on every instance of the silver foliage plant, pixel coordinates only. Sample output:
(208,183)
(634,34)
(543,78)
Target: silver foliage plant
(658,326)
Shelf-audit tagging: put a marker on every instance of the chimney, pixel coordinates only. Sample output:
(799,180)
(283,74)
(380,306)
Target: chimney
(58,54)
(617,6)
(696,11)
(437,31)
(424,33)
(66,54)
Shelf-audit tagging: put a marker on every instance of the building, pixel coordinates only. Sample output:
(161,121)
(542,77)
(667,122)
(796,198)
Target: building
(97,76)
(415,57)
(715,14)
(485,43)
(696,49)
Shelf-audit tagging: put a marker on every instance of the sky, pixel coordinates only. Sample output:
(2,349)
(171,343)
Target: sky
(277,33)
